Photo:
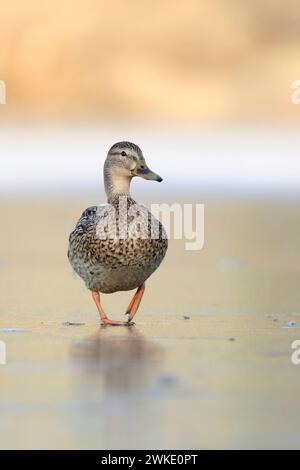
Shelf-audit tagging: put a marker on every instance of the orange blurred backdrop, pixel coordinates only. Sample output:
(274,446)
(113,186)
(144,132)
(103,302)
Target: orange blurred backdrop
(141,59)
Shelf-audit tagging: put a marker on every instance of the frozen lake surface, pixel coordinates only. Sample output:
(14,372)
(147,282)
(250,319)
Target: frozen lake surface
(208,364)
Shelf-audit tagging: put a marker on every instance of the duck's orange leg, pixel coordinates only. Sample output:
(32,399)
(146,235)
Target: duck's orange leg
(135,302)
(104,319)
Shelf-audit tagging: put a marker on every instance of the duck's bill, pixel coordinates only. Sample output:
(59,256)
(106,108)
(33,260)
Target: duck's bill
(147,174)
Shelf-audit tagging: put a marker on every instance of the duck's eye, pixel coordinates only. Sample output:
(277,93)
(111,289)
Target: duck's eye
(124,154)
(142,166)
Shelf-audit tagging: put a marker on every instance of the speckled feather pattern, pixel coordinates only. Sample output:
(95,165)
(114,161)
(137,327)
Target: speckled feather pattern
(122,260)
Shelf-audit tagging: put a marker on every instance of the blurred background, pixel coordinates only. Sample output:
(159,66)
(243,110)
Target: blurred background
(205,89)
(208,82)
(209,61)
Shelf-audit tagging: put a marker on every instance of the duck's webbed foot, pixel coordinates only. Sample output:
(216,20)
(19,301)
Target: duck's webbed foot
(107,321)
(104,319)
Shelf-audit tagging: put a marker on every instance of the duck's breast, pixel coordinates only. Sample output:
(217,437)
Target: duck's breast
(110,258)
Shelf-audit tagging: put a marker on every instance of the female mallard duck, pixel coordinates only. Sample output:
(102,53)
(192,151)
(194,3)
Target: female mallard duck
(117,246)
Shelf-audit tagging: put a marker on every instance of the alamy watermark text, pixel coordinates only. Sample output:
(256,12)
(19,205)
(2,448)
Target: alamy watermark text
(2,92)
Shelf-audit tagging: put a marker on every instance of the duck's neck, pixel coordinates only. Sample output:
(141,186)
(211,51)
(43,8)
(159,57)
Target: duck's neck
(116,185)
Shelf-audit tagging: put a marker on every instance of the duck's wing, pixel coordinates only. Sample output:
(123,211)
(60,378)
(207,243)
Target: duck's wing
(82,239)
(88,220)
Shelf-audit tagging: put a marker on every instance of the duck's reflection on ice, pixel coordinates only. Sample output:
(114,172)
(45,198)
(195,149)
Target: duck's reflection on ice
(114,385)
(121,358)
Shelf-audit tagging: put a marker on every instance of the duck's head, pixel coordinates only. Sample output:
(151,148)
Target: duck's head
(127,159)
(124,161)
